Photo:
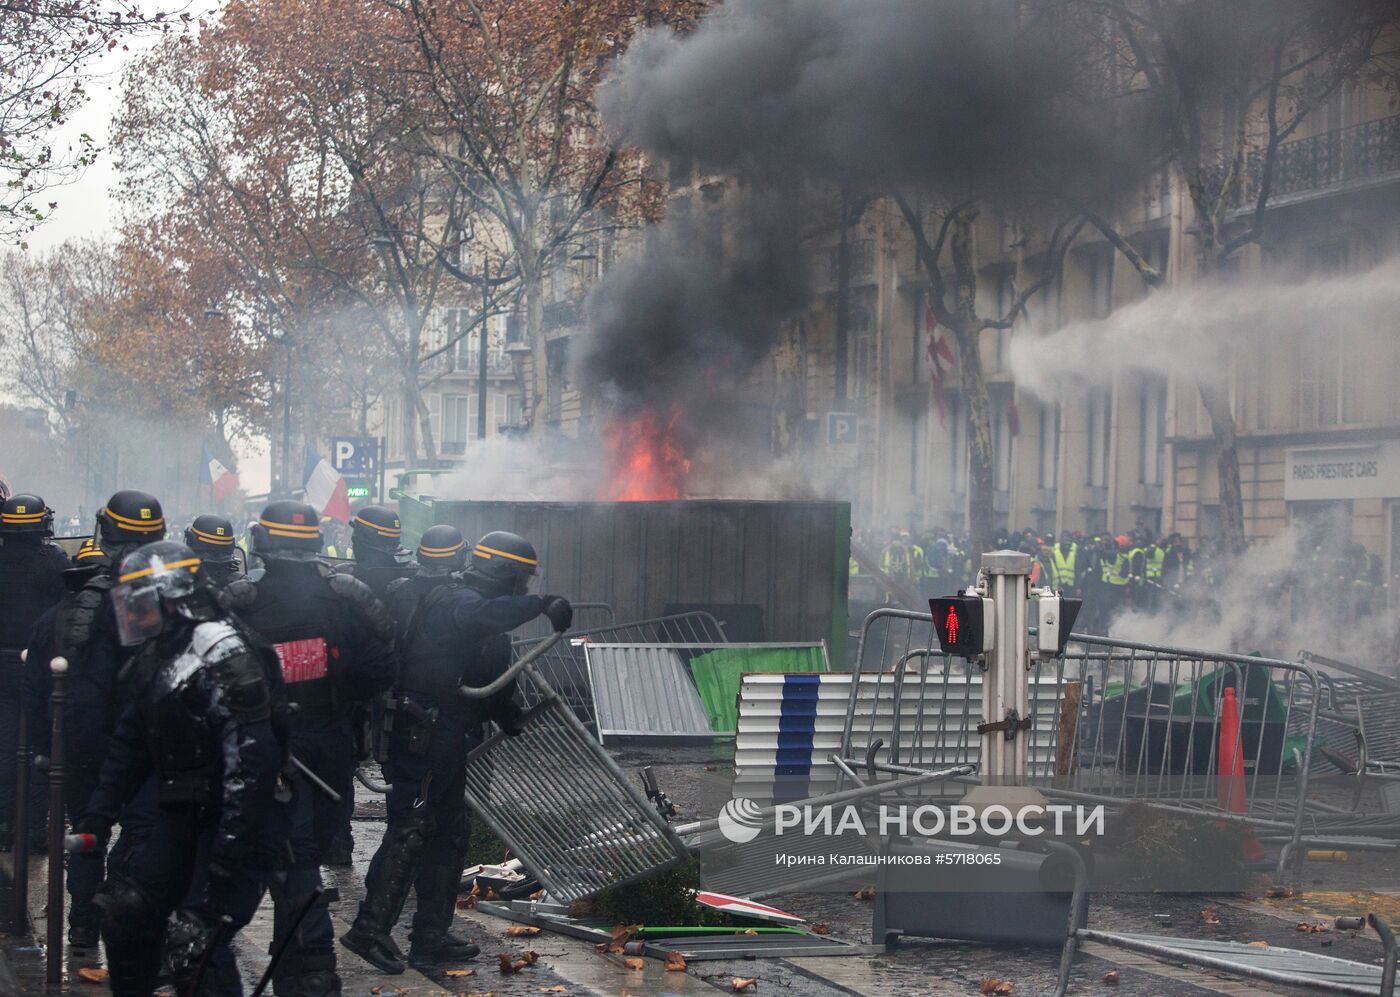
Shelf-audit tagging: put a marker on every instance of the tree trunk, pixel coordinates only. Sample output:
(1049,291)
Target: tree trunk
(409,418)
(981,481)
(537,383)
(1215,395)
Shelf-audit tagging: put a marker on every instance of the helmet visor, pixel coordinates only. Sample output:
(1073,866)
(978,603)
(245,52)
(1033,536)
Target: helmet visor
(137,606)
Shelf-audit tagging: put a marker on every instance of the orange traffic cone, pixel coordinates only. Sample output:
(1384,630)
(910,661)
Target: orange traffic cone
(1230,786)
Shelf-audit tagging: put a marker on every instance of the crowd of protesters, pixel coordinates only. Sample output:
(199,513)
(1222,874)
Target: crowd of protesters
(1137,570)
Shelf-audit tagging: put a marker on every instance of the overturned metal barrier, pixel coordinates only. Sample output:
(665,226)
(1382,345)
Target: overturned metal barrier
(564,666)
(559,801)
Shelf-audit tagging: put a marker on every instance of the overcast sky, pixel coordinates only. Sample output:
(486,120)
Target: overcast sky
(88,208)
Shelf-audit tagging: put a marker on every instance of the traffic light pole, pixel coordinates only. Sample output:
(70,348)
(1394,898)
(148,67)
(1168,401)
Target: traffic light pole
(1005,690)
(1006,706)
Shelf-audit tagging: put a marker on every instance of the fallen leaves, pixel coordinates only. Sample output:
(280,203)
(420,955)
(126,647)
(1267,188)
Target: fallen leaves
(675,962)
(509,966)
(991,985)
(740,983)
(634,963)
(460,972)
(522,931)
(558,989)
(91,974)
(866,893)
(1112,977)
(820,929)
(750,931)
(1311,928)
(621,935)
(1281,892)
(1208,916)
(1258,945)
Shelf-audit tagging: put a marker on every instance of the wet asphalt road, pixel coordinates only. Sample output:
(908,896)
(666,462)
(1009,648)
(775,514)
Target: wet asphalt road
(696,778)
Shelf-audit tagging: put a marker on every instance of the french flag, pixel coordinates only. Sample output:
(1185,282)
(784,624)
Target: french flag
(220,479)
(325,488)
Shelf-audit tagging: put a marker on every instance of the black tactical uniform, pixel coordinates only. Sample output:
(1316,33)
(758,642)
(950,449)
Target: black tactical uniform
(211,537)
(335,643)
(452,632)
(31,582)
(201,721)
(82,629)
(375,534)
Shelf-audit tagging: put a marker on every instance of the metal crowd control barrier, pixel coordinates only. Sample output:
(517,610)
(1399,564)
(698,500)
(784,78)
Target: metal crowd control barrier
(587,615)
(559,801)
(1112,722)
(564,666)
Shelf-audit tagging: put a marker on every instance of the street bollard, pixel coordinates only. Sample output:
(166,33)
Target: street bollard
(19,917)
(58,667)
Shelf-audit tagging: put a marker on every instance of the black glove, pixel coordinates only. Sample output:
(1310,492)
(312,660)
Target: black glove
(560,613)
(95,825)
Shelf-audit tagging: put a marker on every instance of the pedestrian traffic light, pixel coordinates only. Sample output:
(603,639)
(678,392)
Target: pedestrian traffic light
(1055,616)
(959,621)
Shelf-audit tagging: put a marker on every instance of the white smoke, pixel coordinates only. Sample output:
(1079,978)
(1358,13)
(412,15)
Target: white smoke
(1183,331)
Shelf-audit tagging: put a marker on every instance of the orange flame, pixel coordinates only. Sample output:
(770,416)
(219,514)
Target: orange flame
(648,464)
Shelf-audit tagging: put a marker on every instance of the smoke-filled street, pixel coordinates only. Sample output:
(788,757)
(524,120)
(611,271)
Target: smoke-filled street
(675,496)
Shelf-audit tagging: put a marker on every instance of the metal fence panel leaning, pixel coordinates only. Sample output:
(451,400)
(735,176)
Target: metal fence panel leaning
(565,668)
(560,802)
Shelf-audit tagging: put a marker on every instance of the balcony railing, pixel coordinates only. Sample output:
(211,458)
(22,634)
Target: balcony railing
(1366,151)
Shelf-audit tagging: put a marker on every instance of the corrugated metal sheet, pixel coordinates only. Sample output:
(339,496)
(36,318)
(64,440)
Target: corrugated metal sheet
(789,558)
(790,724)
(644,691)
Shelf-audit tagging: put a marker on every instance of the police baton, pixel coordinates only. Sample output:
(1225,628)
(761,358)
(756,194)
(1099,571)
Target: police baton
(281,945)
(313,778)
(508,676)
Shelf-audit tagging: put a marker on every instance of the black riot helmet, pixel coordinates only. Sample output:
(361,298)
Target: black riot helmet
(377,527)
(130,517)
(154,581)
(503,563)
(211,537)
(89,553)
(25,514)
(442,549)
(287,527)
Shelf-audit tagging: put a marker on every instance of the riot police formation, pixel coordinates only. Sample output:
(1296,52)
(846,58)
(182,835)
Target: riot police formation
(378,562)
(31,581)
(211,537)
(201,717)
(82,628)
(335,642)
(452,632)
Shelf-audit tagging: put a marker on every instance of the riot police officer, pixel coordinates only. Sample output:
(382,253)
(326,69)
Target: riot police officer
(452,631)
(335,643)
(82,629)
(211,537)
(201,718)
(375,533)
(31,581)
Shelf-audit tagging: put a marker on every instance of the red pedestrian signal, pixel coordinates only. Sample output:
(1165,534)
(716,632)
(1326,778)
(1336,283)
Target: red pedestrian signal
(958,621)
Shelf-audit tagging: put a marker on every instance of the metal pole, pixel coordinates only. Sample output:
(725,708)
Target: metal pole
(481,358)
(58,667)
(287,420)
(20,917)
(1004,687)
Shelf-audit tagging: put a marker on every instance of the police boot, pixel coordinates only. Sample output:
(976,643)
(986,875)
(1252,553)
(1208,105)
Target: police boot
(376,948)
(220,981)
(432,939)
(439,948)
(83,924)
